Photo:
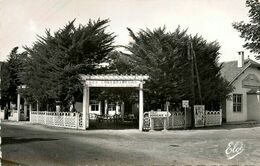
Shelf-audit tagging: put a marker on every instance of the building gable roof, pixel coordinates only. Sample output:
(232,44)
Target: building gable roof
(231,72)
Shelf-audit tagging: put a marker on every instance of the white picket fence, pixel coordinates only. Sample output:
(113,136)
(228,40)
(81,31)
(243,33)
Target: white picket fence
(58,119)
(213,118)
(176,120)
(74,120)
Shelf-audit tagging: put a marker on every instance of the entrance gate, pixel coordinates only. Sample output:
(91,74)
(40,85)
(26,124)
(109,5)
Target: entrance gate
(199,115)
(88,81)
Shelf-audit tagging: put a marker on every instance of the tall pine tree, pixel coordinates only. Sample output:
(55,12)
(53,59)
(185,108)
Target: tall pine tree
(10,71)
(163,56)
(56,60)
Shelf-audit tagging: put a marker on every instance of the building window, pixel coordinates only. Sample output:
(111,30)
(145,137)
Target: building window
(94,105)
(237,102)
(111,107)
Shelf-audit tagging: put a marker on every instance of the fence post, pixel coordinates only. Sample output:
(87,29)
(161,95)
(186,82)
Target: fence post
(77,120)
(220,118)
(45,117)
(152,124)
(64,119)
(165,124)
(173,120)
(30,117)
(37,117)
(53,118)
(206,117)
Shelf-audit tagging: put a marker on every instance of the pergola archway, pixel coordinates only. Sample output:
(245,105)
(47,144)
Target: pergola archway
(135,81)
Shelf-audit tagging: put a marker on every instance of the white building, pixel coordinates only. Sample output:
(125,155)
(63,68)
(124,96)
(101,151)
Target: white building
(244,101)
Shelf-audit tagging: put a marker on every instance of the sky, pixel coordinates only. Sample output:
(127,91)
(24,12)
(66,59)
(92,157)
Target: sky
(22,20)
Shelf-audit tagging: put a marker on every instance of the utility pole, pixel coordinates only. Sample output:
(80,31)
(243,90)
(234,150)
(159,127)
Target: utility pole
(197,72)
(192,82)
(192,72)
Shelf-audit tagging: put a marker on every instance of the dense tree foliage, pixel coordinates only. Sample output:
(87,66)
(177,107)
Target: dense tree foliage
(51,69)
(10,76)
(164,57)
(56,60)
(251,31)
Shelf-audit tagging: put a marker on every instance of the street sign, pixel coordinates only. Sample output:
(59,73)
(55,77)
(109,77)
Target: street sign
(185,103)
(161,114)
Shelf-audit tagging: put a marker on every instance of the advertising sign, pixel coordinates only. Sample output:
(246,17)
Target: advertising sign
(161,114)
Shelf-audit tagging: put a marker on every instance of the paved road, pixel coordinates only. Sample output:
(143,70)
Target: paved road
(28,144)
(37,145)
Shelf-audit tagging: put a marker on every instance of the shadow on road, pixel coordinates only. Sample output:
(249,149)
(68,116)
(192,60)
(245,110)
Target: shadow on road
(10,163)
(12,140)
(222,127)
(94,124)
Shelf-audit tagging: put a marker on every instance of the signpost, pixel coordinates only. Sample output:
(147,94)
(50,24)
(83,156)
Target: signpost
(161,114)
(185,105)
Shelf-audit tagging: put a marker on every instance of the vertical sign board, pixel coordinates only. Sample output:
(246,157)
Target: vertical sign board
(199,111)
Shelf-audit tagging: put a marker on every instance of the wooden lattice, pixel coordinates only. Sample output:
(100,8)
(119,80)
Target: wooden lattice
(213,118)
(60,119)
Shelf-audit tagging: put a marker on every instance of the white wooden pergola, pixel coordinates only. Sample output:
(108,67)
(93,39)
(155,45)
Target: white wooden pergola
(135,81)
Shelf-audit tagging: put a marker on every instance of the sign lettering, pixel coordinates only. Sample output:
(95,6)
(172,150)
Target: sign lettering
(162,114)
(113,83)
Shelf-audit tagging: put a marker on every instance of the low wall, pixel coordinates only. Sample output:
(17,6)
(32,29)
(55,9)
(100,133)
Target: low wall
(58,119)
